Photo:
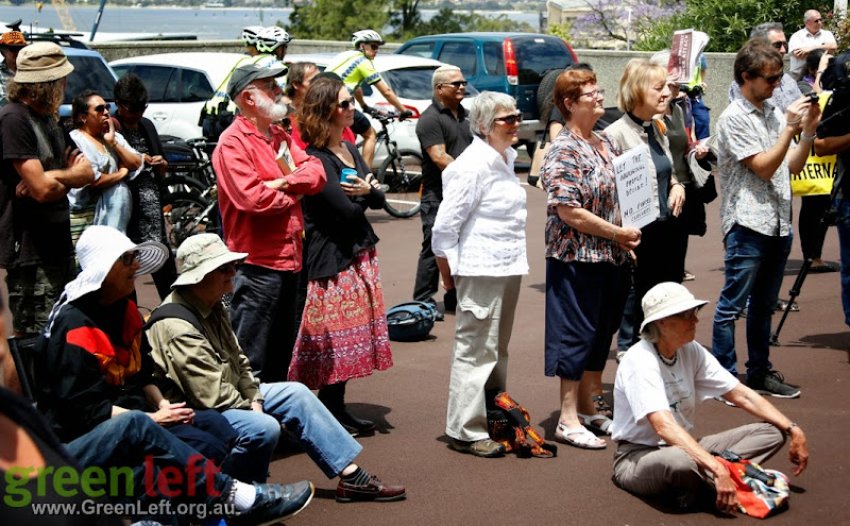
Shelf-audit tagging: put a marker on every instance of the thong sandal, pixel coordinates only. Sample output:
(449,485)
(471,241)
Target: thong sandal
(579,437)
(600,405)
(598,423)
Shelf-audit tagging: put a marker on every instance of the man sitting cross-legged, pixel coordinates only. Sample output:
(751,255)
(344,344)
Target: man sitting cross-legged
(199,361)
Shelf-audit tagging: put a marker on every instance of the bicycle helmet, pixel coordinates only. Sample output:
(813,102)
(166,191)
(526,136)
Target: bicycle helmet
(365,36)
(249,35)
(272,38)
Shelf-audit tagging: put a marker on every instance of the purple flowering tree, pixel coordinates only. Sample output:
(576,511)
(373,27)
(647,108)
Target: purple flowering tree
(621,20)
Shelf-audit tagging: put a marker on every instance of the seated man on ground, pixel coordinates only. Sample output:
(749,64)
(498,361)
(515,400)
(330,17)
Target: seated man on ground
(658,384)
(87,367)
(199,360)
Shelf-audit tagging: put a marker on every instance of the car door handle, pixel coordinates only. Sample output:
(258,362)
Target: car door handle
(159,116)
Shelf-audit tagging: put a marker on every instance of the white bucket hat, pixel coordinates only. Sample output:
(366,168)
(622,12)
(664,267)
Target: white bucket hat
(667,299)
(99,247)
(199,255)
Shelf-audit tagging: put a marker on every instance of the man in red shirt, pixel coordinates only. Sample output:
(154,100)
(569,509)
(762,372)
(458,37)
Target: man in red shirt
(262,175)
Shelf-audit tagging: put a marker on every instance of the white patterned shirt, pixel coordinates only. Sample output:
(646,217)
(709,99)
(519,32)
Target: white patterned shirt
(763,206)
(480,227)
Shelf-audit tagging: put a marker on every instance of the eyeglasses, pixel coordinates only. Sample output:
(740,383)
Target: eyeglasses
(779,44)
(690,314)
(374,47)
(128,258)
(510,120)
(595,94)
(227,268)
(100,108)
(456,84)
(773,79)
(346,104)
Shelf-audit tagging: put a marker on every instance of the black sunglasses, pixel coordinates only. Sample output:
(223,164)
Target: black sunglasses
(128,258)
(227,268)
(780,44)
(773,79)
(510,120)
(346,104)
(457,83)
(374,47)
(100,108)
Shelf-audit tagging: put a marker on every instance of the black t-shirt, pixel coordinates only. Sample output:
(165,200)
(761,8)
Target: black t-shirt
(437,125)
(31,232)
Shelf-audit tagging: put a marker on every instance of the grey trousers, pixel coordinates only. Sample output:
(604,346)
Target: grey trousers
(669,474)
(485,318)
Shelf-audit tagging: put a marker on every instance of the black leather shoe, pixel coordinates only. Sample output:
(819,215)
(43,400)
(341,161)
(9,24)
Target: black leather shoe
(275,503)
(349,421)
(374,489)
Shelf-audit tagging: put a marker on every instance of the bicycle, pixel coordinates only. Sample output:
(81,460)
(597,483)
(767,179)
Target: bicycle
(189,191)
(400,172)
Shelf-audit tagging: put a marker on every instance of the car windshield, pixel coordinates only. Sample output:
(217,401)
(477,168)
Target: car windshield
(415,83)
(537,55)
(90,72)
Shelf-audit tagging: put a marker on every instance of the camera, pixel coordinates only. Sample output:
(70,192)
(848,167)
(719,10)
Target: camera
(813,98)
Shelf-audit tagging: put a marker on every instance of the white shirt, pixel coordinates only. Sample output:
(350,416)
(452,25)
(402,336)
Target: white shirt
(102,163)
(644,385)
(480,227)
(803,38)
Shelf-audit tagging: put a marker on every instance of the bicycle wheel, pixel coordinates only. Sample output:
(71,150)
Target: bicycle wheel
(402,173)
(186,214)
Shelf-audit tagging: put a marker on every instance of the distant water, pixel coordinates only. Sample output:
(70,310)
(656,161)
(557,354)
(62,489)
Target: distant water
(207,24)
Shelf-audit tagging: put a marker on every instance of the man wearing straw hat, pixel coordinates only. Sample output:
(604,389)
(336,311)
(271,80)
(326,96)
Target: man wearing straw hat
(85,383)
(35,176)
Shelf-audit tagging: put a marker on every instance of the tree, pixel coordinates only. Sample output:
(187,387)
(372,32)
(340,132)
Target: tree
(405,18)
(448,20)
(620,20)
(337,19)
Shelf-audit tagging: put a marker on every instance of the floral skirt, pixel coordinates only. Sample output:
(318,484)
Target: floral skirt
(343,332)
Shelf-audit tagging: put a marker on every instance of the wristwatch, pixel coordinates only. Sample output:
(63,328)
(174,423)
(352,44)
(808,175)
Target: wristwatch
(787,430)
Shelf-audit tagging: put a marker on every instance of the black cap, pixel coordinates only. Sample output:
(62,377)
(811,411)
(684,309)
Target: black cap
(244,75)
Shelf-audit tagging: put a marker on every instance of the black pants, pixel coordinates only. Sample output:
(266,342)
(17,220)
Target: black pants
(812,228)
(427,273)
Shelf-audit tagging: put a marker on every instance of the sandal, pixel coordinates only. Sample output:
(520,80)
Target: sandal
(579,437)
(598,423)
(601,406)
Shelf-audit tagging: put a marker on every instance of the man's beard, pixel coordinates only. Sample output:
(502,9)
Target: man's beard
(272,109)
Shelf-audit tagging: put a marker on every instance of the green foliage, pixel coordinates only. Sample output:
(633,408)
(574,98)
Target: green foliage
(728,22)
(561,30)
(405,18)
(337,19)
(447,20)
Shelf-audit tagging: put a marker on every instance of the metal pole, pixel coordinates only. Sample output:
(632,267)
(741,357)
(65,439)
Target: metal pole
(97,20)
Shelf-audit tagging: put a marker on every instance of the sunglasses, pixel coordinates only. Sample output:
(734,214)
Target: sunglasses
(510,120)
(374,47)
(128,258)
(346,104)
(817,20)
(780,44)
(690,314)
(773,79)
(100,108)
(456,84)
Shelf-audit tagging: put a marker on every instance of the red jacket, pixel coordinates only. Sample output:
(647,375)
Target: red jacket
(265,223)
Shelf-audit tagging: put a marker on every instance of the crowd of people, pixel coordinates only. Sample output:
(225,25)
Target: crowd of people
(80,221)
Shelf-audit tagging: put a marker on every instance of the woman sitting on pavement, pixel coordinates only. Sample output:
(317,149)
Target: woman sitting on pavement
(343,331)
(586,251)
(107,201)
(658,385)
(479,240)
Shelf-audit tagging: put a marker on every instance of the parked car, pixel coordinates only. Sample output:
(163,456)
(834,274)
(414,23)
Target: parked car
(179,84)
(512,63)
(410,79)
(90,69)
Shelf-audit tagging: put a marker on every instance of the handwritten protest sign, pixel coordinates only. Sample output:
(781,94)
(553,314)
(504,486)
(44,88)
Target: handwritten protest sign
(634,174)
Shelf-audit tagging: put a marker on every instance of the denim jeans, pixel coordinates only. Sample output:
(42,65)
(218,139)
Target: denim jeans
(842,224)
(754,267)
(263,316)
(133,439)
(295,407)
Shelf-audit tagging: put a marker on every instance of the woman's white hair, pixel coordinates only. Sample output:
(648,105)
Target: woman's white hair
(484,109)
(651,333)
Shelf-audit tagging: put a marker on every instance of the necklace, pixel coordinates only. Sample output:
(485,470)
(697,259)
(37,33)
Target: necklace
(670,362)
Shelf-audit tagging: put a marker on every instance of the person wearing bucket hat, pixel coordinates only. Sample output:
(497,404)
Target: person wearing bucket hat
(262,176)
(37,174)
(658,385)
(205,366)
(10,43)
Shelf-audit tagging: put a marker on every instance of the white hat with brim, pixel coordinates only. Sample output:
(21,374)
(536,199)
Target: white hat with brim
(667,299)
(99,247)
(199,255)
(42,62)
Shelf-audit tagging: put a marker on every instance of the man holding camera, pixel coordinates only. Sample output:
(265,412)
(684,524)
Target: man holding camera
(756,157)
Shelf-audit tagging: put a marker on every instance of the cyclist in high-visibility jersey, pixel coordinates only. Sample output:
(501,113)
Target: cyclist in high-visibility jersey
(356,68)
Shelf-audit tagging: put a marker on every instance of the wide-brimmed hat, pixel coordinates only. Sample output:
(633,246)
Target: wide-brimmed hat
(199,255)
(42,62)
(99,247)
(244,75)
(13,39)
(667,299)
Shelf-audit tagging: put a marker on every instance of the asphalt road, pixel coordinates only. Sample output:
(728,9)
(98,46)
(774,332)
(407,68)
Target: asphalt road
(448,488)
